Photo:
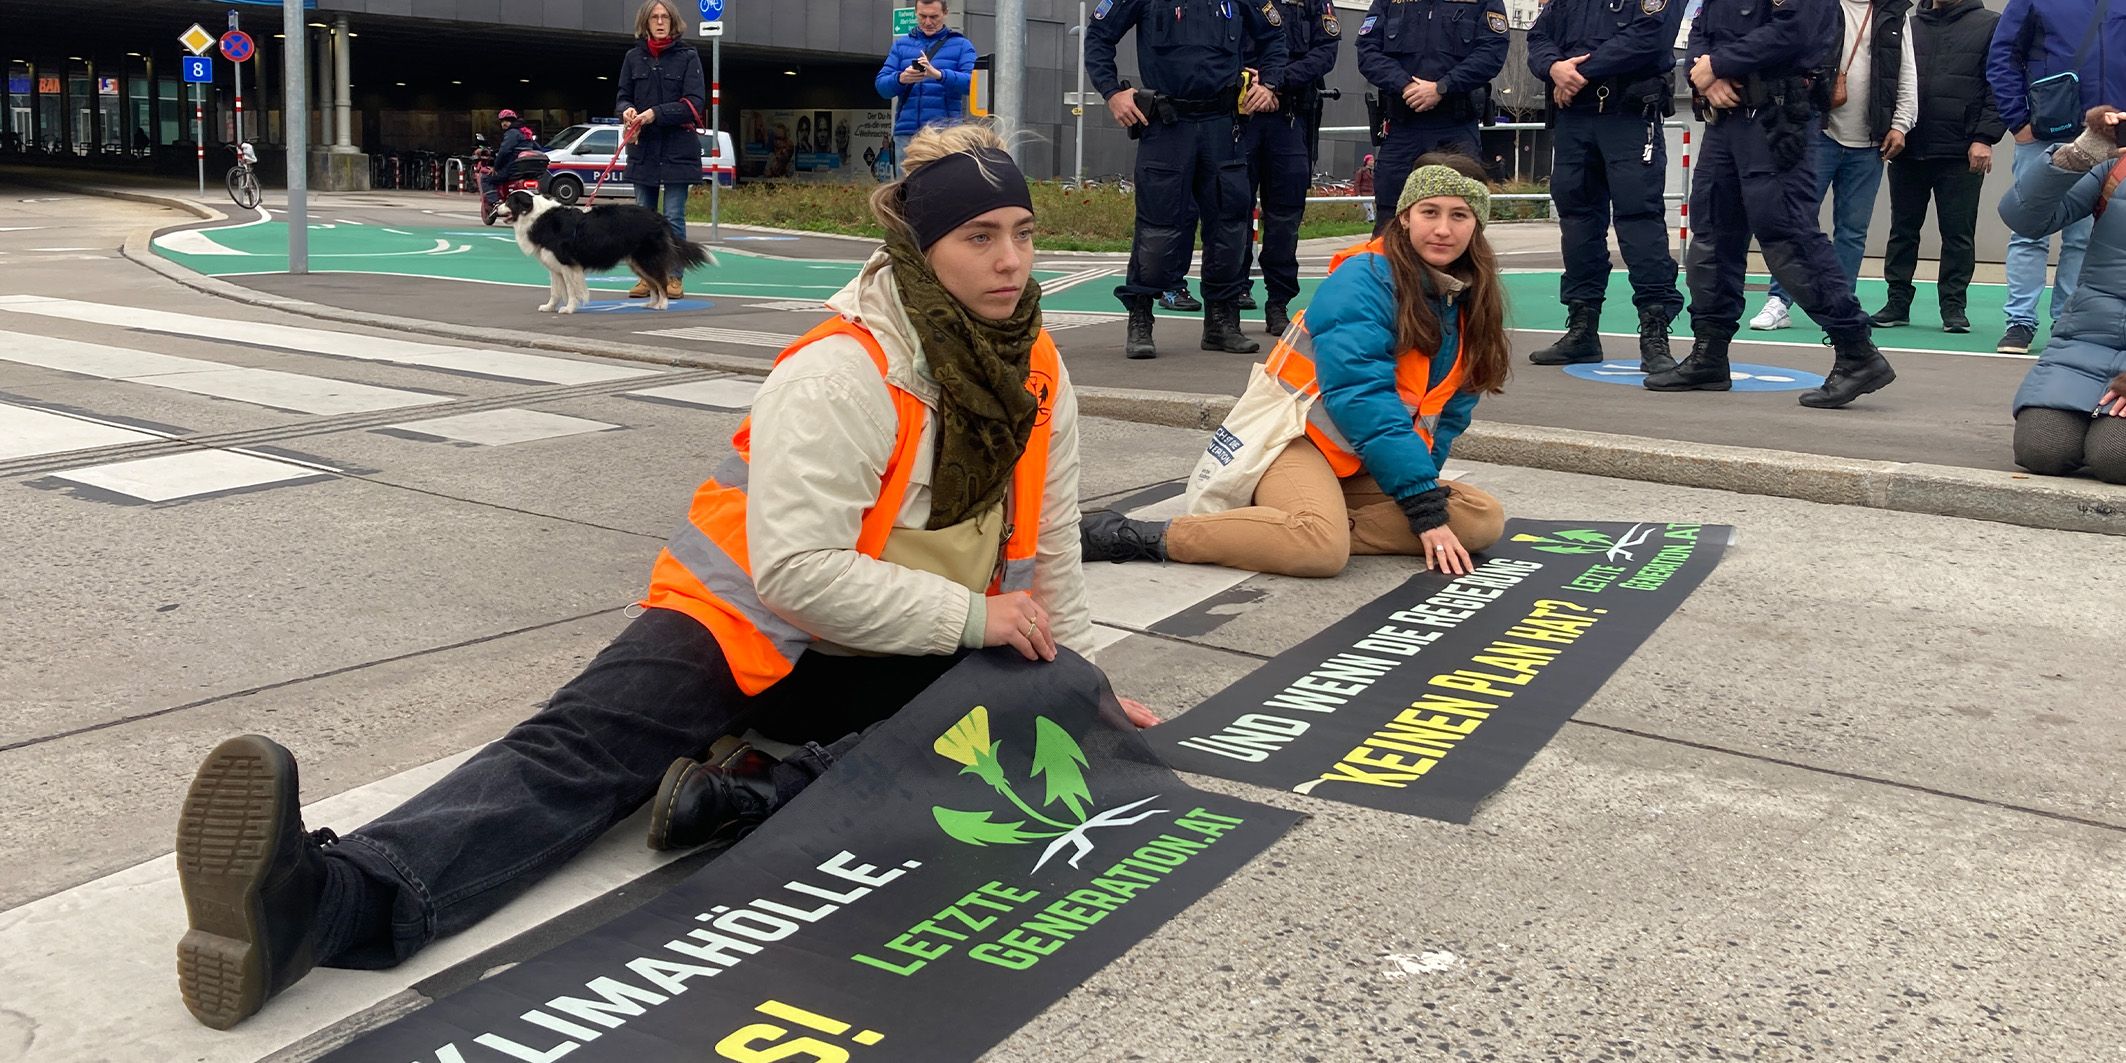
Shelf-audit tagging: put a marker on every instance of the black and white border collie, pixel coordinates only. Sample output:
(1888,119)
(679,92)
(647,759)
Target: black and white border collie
(574,243)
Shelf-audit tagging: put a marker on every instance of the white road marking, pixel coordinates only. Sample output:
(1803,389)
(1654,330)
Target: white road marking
(63,249)
(188,475)
(26,433)
(741,337)
(123,928)
(193,242)
(715,394)
(261,387)
(498,428)
(507,365)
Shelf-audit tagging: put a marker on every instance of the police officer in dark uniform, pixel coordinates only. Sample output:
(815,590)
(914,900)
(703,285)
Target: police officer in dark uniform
(1757,68)
(1433,61)
(1190,55)
(1280,167)
(1607,64)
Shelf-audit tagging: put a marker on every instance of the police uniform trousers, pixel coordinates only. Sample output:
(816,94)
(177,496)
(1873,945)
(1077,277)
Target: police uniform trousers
(1738,191)
(1279,174)
(1602,169)
(1408,138)
(1191,162)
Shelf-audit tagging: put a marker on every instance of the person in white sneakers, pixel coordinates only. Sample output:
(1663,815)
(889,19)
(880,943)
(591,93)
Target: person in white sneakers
(1874,101)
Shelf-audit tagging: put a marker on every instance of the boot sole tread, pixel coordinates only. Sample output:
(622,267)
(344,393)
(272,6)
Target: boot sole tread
(661,807)
(225,844)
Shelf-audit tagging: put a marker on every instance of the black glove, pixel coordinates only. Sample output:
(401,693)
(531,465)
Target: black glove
(1426,510)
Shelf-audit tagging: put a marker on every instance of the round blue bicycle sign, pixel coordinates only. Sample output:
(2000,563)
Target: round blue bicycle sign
(1747,377)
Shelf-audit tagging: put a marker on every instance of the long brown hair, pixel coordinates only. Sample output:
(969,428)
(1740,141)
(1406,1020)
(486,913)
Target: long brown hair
(1486,354)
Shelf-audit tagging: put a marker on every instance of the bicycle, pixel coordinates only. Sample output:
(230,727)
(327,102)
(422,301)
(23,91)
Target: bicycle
(243,180)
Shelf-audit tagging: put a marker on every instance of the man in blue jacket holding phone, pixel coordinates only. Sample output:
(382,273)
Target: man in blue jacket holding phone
(928,72)
(2043,51)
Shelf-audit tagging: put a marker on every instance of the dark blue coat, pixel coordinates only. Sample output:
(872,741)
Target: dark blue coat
(931,101)
(1460,45)
(667,151)
(1770,38)
(1310,38)
(1194,56)
(2036,39)
(1621,38)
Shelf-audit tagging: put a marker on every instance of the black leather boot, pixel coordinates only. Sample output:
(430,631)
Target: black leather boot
(700,802)
(1105,535)
(1704,370)
(1275,320)
(1858,369)
(1246,300)
(1653,342)
(252,879)
(1221,330)
(1582,342)
(1139,344)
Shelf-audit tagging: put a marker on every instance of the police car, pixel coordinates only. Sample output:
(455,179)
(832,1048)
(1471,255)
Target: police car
(578,154)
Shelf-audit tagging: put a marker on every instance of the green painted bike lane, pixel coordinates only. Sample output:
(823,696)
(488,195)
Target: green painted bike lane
(492,256)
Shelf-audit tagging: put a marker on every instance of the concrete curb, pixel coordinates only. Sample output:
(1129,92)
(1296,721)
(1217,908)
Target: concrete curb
(1912,487)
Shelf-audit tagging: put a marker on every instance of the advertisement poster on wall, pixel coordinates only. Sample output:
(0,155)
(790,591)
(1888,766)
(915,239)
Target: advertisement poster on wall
(816,144)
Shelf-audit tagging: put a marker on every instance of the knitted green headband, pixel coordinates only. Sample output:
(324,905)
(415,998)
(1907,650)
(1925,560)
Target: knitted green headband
(1428,181)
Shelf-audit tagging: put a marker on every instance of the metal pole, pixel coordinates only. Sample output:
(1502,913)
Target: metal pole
(199,137)
(1078,172)
(295,124)
(716,135)
(342,116)
(239,69)
(1009,70)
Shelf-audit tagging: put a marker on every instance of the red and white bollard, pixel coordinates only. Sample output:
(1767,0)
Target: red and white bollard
(1683,233)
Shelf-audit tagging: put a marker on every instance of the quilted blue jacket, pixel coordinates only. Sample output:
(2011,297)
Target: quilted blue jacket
(2088,343)
(937,99)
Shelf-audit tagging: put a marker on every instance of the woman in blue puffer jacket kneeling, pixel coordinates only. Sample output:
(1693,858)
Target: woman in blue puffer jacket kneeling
(2070,413)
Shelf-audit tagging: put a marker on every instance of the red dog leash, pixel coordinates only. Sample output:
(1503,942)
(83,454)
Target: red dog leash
(627,136)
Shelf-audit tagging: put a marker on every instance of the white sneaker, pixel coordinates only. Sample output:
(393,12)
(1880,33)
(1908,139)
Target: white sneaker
(1773,316)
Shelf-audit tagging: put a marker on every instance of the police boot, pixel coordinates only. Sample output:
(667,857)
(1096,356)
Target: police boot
(252,880)
(1653,342)
(1275,320)
(1221,330)
(699,802)
(1582,342)
(1858,369)
(1246,300)
(1139,344)
(1704,370)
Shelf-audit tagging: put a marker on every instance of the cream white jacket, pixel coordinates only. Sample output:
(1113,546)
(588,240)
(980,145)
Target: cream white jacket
(823,431)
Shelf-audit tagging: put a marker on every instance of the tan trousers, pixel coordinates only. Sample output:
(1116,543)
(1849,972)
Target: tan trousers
(1306,522)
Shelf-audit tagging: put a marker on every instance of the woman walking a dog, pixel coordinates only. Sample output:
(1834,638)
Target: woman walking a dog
(662,99)
(1401,341)
(906,490)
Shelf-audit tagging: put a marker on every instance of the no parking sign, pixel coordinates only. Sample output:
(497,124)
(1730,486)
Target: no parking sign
(236,46)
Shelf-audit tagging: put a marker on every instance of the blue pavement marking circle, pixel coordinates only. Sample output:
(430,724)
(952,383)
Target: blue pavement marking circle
(618,306)
(1747,377)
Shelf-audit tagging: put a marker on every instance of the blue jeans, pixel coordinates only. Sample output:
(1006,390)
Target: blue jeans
(675,205)
(900,153)
(1851,176)
(2027,257)
(521,807)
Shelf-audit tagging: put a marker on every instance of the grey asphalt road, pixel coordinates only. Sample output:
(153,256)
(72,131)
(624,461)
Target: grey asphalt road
(1860,798)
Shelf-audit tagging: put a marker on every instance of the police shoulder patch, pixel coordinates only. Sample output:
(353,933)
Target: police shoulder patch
(1367,26)
(1269,13)
(1781,3)
(1653,7)
(1105,7)
(1328,23)
(1497,21)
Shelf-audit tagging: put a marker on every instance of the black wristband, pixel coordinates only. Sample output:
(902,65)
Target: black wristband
(1426,510)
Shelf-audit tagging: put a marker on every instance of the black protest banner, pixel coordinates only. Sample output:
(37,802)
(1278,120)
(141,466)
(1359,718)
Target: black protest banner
(1433,696)
(1002,838)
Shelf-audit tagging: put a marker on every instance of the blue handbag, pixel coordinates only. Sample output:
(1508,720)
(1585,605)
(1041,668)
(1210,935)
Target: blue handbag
(2056,102)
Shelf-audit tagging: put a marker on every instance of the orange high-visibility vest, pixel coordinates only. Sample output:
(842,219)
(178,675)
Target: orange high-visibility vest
(1292,364)
(705,572)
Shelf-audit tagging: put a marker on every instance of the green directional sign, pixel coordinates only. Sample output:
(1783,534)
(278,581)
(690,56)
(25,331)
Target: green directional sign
(903,20)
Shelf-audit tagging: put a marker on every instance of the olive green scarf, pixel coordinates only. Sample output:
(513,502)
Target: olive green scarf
(985,413)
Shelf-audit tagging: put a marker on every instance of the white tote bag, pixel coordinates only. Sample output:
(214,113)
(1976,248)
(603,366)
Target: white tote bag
(1267,418)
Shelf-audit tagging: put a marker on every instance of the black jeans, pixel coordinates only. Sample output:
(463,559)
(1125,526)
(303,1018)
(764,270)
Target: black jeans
(524,805)
(1955,191)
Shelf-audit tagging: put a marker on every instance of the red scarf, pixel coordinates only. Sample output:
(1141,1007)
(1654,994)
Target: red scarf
(658,46)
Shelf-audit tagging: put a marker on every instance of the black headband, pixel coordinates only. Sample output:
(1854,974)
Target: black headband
(940,196)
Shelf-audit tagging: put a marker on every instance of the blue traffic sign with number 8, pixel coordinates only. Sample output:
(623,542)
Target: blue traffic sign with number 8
(199,69)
